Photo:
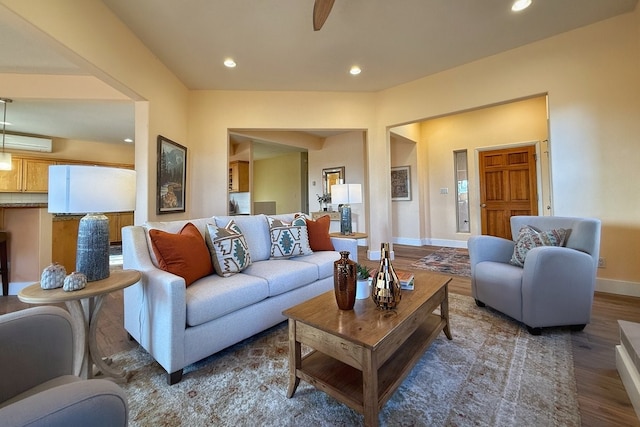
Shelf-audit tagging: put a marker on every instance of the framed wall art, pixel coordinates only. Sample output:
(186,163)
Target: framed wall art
(331,176)
(172,176)
(401,183)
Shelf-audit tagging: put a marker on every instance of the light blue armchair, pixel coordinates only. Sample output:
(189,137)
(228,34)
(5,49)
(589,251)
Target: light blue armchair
(556,285)
(37,388)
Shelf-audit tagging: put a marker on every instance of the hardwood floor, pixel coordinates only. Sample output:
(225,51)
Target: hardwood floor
(601,394)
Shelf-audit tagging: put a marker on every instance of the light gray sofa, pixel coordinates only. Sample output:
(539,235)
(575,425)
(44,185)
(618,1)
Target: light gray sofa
(38,388)
(180,325)
(556,284)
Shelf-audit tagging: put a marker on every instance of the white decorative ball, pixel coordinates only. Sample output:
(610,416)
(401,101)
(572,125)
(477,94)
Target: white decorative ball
(75,281)
(53,276)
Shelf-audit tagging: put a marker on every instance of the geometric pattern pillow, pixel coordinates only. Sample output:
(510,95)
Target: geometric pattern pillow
(529,238)
(228,247)
(289,240)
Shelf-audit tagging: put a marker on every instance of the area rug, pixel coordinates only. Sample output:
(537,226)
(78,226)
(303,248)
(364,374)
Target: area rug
(493,373)
(453,261)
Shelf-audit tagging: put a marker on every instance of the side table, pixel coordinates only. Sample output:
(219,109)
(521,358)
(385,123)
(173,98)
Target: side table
(354,235)
(84,306)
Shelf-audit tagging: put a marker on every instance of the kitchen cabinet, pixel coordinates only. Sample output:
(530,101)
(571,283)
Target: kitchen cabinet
(238,176)
(65,235)
(117,220)
(26,176)
(35,175)
(64,240)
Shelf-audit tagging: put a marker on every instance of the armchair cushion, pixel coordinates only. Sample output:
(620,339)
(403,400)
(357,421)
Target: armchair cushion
(530,237)
(38,388)
(555,285)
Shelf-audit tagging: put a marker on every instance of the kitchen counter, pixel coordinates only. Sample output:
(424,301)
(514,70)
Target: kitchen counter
(23,205)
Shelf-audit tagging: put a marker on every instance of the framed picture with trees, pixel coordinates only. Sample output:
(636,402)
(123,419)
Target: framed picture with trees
(172,176)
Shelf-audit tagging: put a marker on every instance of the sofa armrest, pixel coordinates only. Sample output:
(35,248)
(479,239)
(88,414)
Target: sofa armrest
(155,308)
(346,244)
(82,403)
(557,287)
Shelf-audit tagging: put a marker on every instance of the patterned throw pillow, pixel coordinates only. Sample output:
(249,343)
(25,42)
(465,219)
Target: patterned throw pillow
(184,254)
(289,240)
(529,238)
(228,247)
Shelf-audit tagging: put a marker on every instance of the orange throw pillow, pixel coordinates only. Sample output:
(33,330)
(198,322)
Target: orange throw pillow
(319,239)
(184,254)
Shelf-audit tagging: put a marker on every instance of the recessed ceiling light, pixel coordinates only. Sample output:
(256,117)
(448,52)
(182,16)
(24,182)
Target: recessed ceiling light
(519,5)
(229,63)
(355,70)
(128,140)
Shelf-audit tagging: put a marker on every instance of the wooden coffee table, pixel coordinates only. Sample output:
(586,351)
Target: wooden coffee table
(361,356)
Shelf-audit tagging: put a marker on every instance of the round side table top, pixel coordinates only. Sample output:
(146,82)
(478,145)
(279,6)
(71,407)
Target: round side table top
(118,279)
(350,236)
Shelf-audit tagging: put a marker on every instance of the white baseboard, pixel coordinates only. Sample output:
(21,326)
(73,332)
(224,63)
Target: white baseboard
(430,242)
(618,287)
(16,287)
(629,375)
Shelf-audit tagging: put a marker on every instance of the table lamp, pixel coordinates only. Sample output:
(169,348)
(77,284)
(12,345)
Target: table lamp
(345,194)
(92,190)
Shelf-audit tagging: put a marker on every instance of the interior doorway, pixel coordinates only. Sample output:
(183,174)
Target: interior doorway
(508,187)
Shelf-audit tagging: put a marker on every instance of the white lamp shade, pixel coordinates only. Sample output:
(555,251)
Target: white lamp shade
(91,189)
(346,193)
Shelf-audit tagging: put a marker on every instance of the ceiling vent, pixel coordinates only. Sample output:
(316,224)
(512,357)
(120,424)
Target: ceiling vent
(27,143)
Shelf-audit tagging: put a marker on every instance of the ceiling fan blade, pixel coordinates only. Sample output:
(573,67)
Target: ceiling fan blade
(321,10)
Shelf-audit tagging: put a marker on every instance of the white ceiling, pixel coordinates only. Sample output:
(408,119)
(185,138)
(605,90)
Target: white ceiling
(275,47)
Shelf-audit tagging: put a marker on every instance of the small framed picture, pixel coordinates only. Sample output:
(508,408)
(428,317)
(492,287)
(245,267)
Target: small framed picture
(172,176)
(401,183)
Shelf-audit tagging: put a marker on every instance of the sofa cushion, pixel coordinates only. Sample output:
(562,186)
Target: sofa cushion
(255,229)
(184,254)
(214,296)
(529,237)
(323,260)
(318,230)
(289,239)
(228,247)
(283,275)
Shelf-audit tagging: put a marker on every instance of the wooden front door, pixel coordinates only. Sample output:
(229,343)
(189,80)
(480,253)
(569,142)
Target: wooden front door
(508,187)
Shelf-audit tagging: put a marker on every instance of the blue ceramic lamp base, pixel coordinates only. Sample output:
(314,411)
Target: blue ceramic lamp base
(92,256)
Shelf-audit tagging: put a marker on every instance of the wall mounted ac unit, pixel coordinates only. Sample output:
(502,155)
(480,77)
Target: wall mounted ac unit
(27,143)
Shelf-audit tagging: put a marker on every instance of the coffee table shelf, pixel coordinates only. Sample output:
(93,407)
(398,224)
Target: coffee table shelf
(344,382)
(361,356)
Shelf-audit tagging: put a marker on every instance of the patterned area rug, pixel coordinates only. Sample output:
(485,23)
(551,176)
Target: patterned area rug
(493,373)
(453,261)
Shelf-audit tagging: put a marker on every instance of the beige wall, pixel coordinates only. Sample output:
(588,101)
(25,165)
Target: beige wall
(278,179)
(407,215)
(516,123)
(95,39)
(590,74)
(212,113)
(349,150)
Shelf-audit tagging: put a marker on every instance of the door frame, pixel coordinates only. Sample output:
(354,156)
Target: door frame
(543,179)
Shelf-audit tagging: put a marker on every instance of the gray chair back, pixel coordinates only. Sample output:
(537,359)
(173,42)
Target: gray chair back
(584,235)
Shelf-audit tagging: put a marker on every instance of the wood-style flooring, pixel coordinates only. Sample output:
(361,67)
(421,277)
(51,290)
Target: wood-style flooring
(601,394)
